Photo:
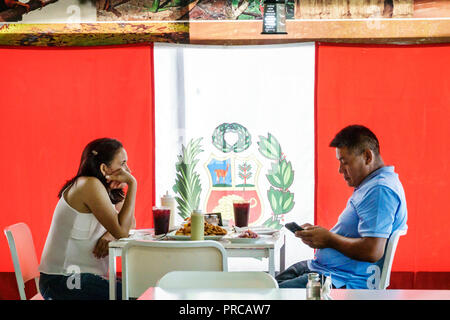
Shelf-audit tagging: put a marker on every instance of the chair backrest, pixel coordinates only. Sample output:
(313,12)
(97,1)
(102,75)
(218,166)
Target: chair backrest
(389,258)
(145,262)
(217,279)
(23,255)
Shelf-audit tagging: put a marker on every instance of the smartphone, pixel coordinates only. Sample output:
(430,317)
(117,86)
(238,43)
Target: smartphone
(292,226)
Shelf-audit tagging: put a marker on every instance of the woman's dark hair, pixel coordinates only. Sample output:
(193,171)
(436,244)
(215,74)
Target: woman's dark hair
(356,138)
(94,154)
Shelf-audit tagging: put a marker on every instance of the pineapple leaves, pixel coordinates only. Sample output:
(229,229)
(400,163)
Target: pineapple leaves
(187,183)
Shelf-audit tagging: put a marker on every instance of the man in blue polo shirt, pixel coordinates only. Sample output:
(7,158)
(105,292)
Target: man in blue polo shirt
(352,252)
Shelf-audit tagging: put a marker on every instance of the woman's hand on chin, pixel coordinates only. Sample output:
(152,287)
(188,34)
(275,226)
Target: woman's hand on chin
(117,185)
(118,177)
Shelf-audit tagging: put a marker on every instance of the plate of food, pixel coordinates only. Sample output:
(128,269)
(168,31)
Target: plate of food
(212,232)
(260,230)
(246,236)
(139,234)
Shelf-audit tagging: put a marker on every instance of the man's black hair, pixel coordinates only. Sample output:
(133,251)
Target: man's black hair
(356,138)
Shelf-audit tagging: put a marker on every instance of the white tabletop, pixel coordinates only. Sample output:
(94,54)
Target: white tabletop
(265,247)
(264,242)
(155,293)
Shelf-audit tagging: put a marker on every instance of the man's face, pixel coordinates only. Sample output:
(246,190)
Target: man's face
(354,167)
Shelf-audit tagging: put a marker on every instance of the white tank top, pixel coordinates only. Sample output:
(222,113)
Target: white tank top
(70,241)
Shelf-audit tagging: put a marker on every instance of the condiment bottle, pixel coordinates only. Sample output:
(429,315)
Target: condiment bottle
(169,201)
(313,287)
(197,225)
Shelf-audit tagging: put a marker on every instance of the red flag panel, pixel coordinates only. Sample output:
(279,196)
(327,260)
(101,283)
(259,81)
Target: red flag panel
(53,102)
(402,93)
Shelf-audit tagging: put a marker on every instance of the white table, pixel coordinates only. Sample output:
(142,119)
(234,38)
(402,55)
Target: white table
(264,248)
(155,293)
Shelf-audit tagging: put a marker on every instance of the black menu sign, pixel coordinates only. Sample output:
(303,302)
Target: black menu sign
(274,18)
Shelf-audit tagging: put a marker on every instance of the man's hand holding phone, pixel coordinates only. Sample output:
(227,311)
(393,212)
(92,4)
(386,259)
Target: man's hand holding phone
(293,227)
(313,236)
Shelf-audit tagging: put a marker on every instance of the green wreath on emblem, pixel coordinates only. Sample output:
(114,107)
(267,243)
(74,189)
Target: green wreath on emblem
(280,177)
(244,138)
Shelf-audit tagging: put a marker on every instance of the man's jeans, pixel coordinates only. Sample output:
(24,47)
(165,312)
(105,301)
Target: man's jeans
(87,287)
(296,276)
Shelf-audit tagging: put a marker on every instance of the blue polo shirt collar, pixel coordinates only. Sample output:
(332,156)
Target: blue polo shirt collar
(375,173)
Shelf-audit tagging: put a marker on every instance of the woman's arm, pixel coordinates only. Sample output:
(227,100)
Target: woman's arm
(102,247)
(96,198)
(119,206)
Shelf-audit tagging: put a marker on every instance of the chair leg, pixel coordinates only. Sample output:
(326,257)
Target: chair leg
(36,280)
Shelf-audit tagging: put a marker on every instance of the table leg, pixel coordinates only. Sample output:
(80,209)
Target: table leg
(272,262)
(112,274)
(283,255)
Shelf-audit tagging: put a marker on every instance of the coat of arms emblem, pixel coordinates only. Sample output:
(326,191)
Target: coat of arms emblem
(231,179)
(233,173)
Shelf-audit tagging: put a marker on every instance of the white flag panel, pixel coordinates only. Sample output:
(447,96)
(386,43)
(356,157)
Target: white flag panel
(241,96)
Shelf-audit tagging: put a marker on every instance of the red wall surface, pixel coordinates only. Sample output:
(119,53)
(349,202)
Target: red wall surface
(402,93)
(53,101)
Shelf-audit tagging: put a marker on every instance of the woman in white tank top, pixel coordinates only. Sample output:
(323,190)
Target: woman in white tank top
(92,211)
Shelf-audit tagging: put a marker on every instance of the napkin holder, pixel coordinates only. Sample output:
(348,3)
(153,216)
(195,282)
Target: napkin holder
(325,293)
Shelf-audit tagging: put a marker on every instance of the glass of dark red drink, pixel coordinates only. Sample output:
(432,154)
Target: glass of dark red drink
(161,218)
(241,213)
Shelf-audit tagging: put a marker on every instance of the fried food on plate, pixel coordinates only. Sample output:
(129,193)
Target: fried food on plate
(210,230)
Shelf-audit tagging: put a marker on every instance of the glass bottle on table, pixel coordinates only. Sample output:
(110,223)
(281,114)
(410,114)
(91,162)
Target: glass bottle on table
(197,225)
(313,287)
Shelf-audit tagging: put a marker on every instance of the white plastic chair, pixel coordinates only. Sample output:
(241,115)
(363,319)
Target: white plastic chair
(389,259)
(24,257)
(216,279)
(145,262)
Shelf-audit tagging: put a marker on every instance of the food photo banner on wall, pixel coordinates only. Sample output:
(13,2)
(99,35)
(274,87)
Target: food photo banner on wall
(70,11)
(109,22)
